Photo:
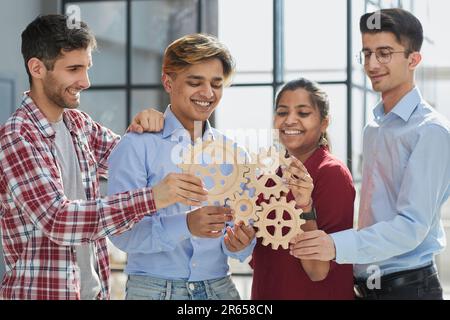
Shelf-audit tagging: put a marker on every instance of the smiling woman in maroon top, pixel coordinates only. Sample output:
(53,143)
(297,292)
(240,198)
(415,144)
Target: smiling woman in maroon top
(302,118)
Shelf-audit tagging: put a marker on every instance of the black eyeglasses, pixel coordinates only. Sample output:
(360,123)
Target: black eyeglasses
(383,55)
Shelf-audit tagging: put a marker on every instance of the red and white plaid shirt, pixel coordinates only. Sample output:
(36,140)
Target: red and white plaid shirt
(41,228)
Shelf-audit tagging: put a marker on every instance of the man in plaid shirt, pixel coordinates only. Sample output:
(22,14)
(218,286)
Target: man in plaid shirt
(53,220)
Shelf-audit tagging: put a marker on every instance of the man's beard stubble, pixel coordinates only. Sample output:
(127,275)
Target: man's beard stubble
(52,90)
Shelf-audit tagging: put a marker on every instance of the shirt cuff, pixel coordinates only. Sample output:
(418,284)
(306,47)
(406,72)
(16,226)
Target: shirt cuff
(345,244)
(176,227)
(146,206)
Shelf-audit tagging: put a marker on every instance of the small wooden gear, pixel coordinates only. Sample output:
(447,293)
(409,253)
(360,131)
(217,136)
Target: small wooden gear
(244,207)
(259,182)
(268,161)
(279,223)
(263,167)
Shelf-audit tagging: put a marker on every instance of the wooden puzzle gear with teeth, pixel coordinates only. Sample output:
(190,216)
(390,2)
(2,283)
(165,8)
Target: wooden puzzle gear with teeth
(277,221)
(205,160)
(279,229)
(244,206)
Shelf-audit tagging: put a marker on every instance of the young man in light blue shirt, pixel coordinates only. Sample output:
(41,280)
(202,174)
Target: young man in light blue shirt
(181,252)
(406,174)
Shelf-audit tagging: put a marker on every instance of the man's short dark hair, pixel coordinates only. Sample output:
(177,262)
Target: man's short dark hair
(403,24)
(48,36)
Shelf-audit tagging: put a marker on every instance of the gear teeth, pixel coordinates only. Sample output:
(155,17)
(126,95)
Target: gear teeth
(274,246)
(251,210)
(285,245)
(259,184)
(268,161)
(279,206)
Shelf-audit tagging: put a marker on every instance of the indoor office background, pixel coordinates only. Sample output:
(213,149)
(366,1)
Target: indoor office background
(273,41)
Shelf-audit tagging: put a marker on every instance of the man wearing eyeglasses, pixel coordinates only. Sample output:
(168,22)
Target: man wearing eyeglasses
(406,174)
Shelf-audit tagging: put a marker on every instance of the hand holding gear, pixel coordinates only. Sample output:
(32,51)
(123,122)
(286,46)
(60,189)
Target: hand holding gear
(277,221)
(300,183)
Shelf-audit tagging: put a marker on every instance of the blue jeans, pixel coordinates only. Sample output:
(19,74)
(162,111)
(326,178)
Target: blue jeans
(2,262)
(150,288)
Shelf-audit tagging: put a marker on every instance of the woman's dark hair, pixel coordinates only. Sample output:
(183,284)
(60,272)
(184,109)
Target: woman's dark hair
(48,35)
(318,96)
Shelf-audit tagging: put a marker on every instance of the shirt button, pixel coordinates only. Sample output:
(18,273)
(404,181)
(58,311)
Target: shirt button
(194,264)
(191,286)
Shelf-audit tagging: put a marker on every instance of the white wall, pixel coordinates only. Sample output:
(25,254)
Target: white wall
(14,17)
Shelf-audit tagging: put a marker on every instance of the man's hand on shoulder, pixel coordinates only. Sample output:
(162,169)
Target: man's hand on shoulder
(148,120)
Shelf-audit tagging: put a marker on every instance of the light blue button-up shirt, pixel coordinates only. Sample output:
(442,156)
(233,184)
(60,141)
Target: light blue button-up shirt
(161,245)
(406,177)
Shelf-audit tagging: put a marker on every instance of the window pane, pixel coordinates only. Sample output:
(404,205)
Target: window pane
(106,107)
(436,46)
(143,99)
(154,25)
(248,33)
(442,100)
(371,7)
(310,51)
(357,128)
(358,70)
(248,109)
(337,131)
(107,21)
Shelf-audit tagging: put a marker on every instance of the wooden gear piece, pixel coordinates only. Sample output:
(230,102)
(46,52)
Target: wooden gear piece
(263,167)
(268,161)
(244,207)
(259,183)
(280,207)
(206,160)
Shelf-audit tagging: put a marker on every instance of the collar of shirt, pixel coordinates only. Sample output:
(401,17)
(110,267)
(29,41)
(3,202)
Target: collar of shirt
(41,120)
(403,109)
(173,128)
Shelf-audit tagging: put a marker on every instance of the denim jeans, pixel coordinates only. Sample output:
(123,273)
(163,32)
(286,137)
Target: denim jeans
(2,262)
(150,288)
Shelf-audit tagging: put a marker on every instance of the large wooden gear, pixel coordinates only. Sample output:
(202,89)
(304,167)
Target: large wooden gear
(280,207)
(206,159)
